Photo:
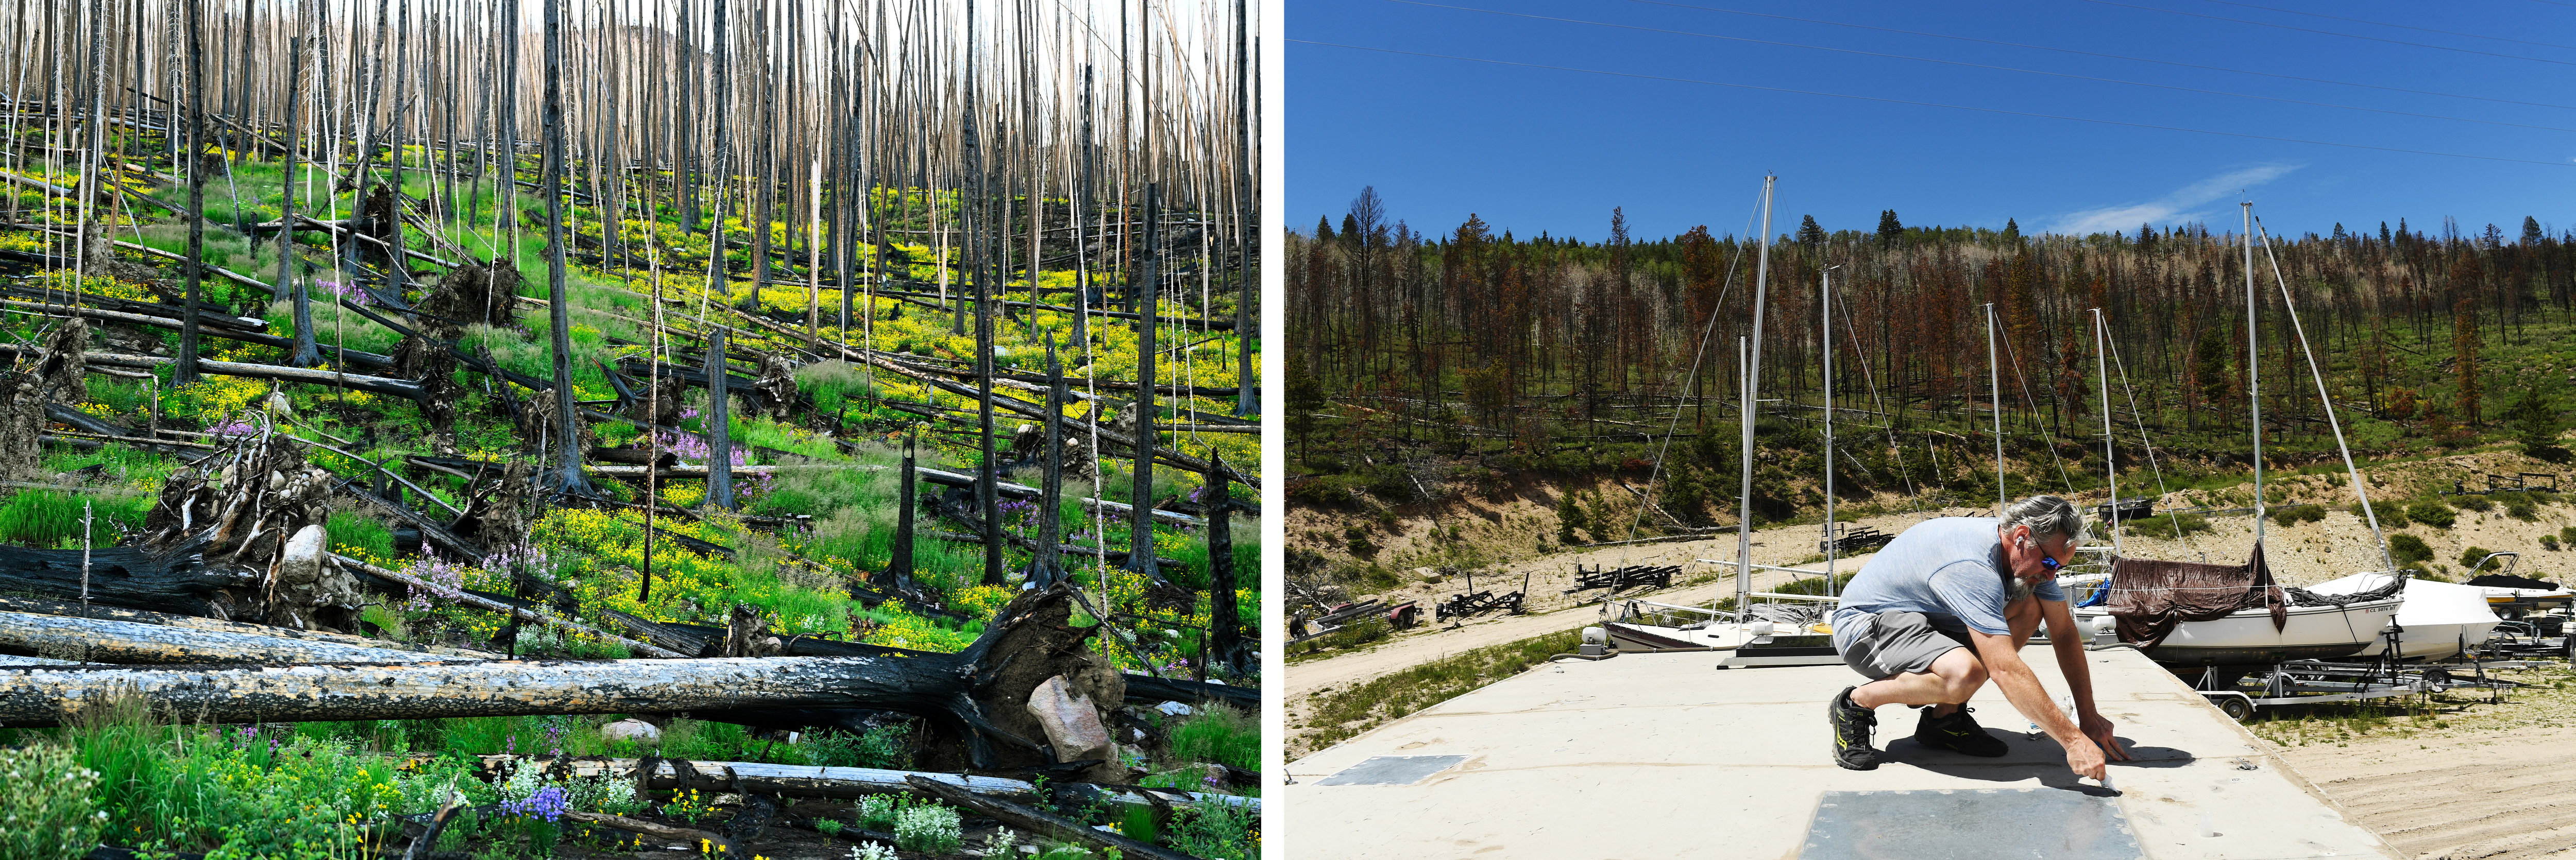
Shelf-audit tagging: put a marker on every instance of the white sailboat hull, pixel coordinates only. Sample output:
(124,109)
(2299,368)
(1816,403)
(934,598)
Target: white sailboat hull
(2439,619)
(2247,637)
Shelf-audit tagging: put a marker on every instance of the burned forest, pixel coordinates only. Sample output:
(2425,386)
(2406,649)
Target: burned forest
(482,429)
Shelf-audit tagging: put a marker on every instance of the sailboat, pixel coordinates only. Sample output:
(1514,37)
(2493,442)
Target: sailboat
(1783,629)
(2272,624)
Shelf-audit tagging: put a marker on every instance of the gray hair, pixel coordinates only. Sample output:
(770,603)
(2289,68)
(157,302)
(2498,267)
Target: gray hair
(2047,515)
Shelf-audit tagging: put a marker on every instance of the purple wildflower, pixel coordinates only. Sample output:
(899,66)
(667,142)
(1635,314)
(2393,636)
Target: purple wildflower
(548,803)
(446,582)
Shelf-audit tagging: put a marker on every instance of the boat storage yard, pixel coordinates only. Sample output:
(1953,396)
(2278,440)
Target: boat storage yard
(1666,755)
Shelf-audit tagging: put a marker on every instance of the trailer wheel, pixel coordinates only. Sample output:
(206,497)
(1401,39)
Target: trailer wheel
(2236,708)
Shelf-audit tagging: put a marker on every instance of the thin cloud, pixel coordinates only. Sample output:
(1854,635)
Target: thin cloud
(2171,206)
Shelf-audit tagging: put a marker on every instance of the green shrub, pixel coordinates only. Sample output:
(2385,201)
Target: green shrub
(2431,513)
(2408,549)
(2472,503)
(48,813)
(1219,734)
(1217,831)
(2298,514)
(2567,534)
(2469,557)
(2519,505)
(930,829)
(2166,524)
(878,747)
(2392,515)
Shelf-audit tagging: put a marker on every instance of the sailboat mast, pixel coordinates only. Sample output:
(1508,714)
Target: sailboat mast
(2253,373)
(1825,307)
(1995,399)
(1751,362)
(2110,467)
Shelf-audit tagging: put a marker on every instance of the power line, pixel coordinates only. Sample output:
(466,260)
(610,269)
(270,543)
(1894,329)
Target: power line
(1982,66)
(2331,33)
(1933,104)
(2398,26)
(2114,56)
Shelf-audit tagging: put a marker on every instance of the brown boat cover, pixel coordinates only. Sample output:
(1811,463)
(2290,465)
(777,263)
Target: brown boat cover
(2150,598)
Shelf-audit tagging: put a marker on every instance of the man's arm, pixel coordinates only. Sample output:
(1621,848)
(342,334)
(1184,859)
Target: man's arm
(2021,686)
(2062,636)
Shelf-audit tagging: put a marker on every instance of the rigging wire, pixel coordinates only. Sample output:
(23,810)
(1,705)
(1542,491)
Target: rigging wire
(2143,440)
(1733,263)
(2033,402)
(2358,487)
(2173,63)
(2331,33)
(1677,80)
(1979,66)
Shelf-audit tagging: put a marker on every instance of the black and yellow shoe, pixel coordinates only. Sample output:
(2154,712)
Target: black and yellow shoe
(1852,726)
(1958,732)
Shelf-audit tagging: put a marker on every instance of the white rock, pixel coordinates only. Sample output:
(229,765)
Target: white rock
(1072,724)
(634,730)
(300,563)
(1176,709)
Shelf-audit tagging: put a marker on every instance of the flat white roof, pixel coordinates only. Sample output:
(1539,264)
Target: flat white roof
(1665,755)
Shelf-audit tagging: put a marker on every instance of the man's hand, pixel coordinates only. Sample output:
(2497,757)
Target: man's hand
(2085,758)
(2098,728)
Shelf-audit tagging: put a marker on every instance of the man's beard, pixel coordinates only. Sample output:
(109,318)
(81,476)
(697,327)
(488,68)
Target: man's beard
(2015,588)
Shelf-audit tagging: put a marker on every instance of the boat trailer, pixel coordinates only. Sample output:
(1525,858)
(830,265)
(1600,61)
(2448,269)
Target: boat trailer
(1620,578)
(1398,616)
(1479,603)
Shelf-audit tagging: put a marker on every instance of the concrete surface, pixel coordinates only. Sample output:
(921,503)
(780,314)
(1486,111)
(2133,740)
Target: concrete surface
(1665,755)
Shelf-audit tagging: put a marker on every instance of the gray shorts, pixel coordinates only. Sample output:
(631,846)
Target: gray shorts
(1897,642)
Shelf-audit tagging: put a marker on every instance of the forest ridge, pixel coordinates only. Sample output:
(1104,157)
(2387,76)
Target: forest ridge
(1546,353)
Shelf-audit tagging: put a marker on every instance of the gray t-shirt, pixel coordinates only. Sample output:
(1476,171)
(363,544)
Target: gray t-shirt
(1950,569)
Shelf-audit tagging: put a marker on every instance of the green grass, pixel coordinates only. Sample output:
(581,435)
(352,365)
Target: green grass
(52,519)
(1221,734)
(1340,714)
(351,529)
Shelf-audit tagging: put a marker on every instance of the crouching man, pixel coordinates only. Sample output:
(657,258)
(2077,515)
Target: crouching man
(1946,607)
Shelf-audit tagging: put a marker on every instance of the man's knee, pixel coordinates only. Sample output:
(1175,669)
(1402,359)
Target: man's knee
(1961,673)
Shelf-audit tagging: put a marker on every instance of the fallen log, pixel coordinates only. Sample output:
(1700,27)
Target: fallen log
(1115,556)
(402,388)
(742,777)
(125,642)
(390,577)
(1142,688)
(1039,822)
(710,844)
(13,603)
(178,582)
(979,694)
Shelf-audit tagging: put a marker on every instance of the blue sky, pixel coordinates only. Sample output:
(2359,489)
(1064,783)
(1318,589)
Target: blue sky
(1532,149)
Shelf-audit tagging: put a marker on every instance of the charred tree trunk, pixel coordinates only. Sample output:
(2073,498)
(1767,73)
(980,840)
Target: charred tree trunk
(126,642)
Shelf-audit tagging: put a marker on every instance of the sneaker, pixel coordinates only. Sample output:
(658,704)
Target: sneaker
(1852,726)
(1958,732)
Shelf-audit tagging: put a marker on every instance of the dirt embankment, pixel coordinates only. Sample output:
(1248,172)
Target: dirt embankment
(2470,779)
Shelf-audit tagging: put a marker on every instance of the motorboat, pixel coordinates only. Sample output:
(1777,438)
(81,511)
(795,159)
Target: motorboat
(2513,597)
(2439,620)
(1789,631)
